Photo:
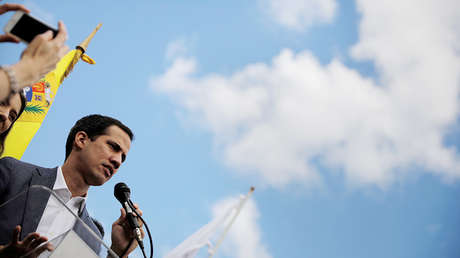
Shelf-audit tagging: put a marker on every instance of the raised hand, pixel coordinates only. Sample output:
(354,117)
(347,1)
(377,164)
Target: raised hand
(122,234)
(7,8)
(41,56)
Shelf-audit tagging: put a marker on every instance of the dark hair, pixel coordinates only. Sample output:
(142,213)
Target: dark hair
(5,133)
(93,126)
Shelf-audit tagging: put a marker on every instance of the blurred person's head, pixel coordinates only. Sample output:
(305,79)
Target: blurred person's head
(10,110)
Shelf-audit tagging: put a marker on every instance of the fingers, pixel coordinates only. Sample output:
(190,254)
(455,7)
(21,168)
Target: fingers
(46,36)
(12,7)
(120,219)
(60,40)
(61,37)
(46,247)
(31,239)
(33,243)
(123,214)
(8,38)
(37,242)
(139,211)
(43,53)
(37,42)
(16,233)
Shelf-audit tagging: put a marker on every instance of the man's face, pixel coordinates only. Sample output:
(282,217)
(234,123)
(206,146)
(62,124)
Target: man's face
(101,158)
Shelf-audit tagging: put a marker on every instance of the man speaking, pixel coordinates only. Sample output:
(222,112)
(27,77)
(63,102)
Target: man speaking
(96,147)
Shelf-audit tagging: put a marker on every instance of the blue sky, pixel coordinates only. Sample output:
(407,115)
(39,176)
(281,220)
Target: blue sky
(342,114)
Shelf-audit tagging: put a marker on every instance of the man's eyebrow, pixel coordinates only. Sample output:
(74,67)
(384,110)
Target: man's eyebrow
(117,147)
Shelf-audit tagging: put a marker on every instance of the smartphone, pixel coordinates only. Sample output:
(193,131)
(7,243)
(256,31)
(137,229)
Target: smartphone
(26,27)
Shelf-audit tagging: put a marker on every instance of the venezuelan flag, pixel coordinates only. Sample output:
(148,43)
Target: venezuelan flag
(39,100)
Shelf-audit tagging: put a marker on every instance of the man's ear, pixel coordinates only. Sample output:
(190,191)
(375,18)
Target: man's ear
(81,139)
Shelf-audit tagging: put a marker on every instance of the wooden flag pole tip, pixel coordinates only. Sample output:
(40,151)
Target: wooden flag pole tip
(84,45)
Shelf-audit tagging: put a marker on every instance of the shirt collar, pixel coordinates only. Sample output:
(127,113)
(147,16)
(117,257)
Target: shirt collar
(61,189)
(60,181)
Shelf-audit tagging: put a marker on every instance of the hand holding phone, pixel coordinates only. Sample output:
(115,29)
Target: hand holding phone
(4,8)
(46,45)
(43,53)
(26,27)
(40,56)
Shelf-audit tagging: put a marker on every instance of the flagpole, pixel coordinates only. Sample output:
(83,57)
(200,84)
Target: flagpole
(80,53)
(219,242)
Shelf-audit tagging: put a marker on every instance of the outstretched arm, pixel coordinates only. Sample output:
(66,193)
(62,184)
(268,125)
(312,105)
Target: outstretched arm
(39,58)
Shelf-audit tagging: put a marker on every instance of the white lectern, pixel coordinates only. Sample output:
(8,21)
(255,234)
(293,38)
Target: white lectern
(25,209)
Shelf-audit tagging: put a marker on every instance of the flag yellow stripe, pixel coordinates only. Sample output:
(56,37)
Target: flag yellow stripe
(39,100)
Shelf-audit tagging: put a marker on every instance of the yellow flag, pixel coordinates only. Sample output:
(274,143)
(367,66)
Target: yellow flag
(39,99)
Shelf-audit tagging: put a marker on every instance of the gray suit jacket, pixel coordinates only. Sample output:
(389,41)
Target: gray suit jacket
(17,176)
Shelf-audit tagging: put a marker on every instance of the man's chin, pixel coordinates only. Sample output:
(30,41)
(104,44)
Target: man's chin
(99,181)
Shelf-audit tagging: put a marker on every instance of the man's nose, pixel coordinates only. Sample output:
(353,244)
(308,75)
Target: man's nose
(116,160)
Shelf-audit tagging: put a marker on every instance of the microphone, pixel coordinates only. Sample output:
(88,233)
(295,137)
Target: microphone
(122,193)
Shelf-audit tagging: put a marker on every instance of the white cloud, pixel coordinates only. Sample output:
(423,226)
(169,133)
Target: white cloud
(176,49)
(300,14)
(281,120)
(244,237)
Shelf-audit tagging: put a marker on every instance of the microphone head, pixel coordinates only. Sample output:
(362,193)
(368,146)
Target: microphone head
(121,192)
